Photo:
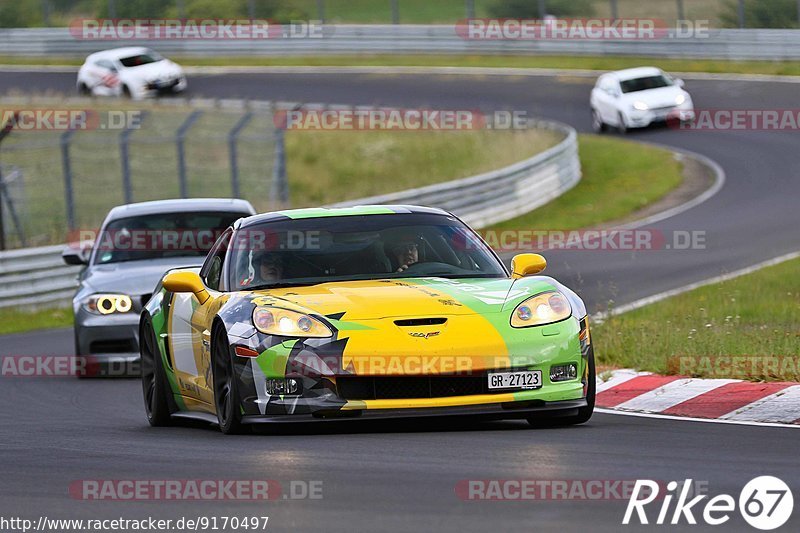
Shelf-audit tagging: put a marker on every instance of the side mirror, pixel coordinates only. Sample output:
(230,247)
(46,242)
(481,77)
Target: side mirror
(186,282)
(679,82)
(527,265)
(75,255)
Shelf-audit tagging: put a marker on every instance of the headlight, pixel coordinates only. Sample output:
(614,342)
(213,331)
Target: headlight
(640,106)
(541,309)
(107,304)
(681,98)
(286,323)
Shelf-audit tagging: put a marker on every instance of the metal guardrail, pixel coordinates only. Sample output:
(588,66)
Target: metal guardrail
(35,276)
(732,44)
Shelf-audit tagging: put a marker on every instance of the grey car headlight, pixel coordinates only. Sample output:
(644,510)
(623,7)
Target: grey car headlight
(108,304)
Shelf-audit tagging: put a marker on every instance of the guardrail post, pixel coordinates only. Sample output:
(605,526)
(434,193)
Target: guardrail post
(232,138)
(279,190)
(124,139)
(66,165)
(181,141)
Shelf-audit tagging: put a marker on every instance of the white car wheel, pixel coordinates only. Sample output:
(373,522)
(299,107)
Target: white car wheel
(622,126)
(597,122)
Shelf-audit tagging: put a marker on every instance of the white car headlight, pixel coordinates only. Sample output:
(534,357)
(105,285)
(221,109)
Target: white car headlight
(541,309)
(108,304)
(681,98)
(640,106)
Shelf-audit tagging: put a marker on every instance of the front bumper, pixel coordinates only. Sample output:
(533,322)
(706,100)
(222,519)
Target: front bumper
(642,119)
(495,411)
(108,345)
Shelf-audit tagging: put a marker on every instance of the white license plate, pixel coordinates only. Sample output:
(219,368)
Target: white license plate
(528,379)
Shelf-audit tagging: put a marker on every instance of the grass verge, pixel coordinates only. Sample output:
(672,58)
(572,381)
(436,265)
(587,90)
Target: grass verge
(14,320)
(745,328)
(619,178)
(715,66)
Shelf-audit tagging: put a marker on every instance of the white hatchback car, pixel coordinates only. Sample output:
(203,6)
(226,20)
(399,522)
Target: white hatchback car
(638,97)
(134,72)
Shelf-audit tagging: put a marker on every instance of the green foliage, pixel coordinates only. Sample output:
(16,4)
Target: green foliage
(761,14)
(530,8)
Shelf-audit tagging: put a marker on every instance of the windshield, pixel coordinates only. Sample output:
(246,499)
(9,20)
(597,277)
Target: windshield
(310,251)
(162,235)
(643,84)
(140,59)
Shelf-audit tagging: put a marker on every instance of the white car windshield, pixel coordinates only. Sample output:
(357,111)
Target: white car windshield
(140,59)
(643,84)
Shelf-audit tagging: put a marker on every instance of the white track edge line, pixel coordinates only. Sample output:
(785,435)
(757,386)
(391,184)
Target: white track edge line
(605,411)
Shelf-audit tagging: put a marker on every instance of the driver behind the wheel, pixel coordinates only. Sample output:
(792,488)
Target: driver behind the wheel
(270,268)
(405,252)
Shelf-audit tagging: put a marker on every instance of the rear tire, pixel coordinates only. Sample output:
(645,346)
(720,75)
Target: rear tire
(154,379)
(126,92)
(84,90)
(226,388)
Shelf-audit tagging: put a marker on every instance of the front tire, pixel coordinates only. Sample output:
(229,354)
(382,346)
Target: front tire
(597,122)
(84,90)
(622,126)
(154,380)
(226,388)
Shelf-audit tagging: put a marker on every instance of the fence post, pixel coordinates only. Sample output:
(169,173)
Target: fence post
(542,8)
(321,11)
(614,10)
(3,134)
(66,164)
(470,8)
(124,138)
(279,191)
(180,138)
(681,13)
(112,9)
(395,12)
(740,12)
(233,136)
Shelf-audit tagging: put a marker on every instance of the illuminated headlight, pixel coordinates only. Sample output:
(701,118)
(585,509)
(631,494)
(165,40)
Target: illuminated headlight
(541,309)
(107,304)
(681,98)
(278,321)
(640,106)
(278,387)
(563,372)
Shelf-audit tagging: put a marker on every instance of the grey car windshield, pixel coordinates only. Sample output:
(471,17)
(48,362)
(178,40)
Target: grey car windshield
(162,235)
(140,59)
(643,84)
(311,251)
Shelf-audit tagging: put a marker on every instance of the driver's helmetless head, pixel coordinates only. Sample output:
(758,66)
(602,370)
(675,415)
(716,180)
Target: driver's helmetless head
(406,252)
(270,268)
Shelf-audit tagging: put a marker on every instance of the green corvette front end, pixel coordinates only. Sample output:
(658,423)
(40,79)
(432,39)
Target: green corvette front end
(380,312)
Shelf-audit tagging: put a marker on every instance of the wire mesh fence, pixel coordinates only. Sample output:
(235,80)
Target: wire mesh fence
(58,179)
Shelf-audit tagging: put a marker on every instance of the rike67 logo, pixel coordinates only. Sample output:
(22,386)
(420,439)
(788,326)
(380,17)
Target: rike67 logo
(765,503)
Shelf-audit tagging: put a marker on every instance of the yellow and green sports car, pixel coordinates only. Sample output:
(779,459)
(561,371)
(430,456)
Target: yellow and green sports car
(363,312)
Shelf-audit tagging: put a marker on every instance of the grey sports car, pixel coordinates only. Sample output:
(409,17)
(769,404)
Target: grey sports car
(136,244)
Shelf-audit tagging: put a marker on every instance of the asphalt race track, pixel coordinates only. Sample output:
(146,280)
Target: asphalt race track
(402,477)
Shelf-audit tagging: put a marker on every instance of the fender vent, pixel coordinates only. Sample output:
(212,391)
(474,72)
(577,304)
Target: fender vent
(420,322)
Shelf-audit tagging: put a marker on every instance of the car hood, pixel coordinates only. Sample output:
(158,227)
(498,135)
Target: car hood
(655,98)
(409,297)
(154,71)
(133,277)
